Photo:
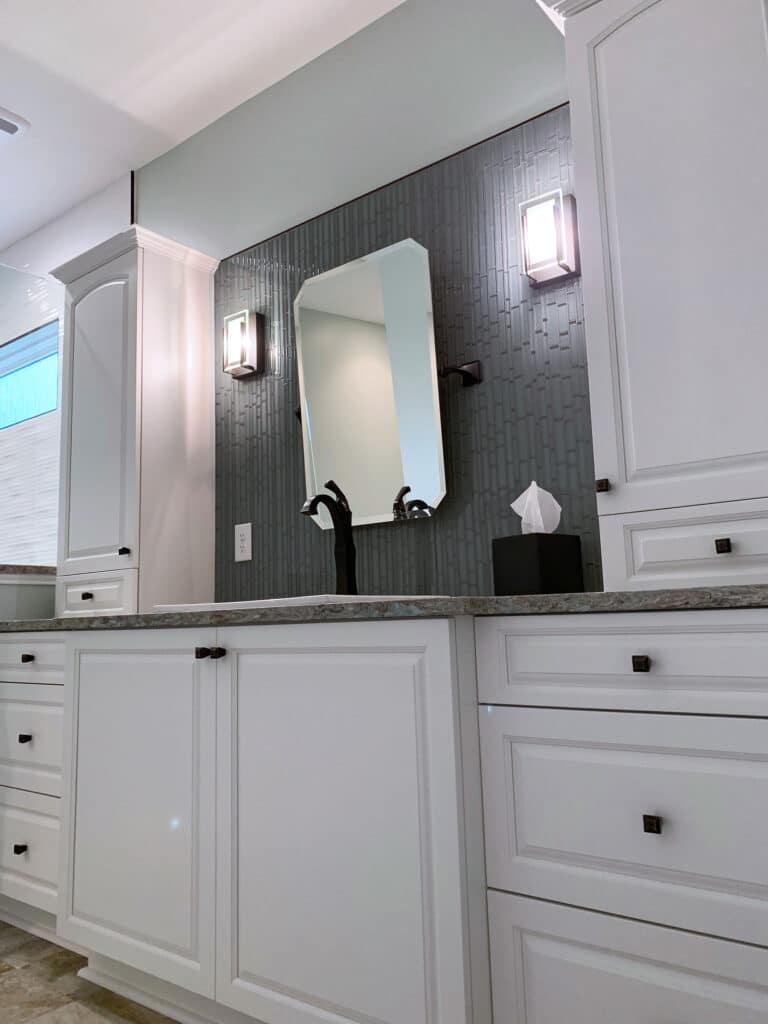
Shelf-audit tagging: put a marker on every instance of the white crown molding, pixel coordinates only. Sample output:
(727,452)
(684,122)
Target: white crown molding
(135,237)
(566,8)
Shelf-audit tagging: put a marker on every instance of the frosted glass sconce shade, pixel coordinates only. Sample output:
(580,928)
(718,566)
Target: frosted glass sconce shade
(549,235)
(243,343)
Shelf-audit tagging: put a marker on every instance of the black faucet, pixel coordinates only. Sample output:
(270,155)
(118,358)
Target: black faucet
(416,508)
(344,544)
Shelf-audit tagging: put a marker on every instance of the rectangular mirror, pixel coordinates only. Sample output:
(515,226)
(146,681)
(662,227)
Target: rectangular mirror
(370,408)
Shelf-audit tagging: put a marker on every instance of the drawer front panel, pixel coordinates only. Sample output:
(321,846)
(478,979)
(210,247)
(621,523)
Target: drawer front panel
(32,821)
(31,729)
(555,964)
(32,658)
(709,545)
(571,800)
(98,594)
(695,662)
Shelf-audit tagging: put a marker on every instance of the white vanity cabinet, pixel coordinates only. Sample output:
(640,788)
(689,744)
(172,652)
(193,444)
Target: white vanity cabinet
(625,779)
(344,839)
(31,741)
(136,492)
(669,102)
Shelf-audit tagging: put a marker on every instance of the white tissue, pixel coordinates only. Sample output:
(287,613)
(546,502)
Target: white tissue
(538,510)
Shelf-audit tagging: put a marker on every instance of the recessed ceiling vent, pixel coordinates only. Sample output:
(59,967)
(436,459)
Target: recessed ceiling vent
(11,125)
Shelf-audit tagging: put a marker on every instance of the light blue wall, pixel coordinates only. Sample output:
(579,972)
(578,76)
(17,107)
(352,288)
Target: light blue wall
(426,80)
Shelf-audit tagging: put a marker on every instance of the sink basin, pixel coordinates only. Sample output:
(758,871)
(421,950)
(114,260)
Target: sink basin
(287,602)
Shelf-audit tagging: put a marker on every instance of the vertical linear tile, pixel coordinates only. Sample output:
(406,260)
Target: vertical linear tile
(528,420)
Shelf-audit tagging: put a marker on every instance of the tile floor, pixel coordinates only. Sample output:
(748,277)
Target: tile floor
(38,982)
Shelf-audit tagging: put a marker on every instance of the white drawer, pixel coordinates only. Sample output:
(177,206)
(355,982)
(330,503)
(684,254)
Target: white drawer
(699,662)
(566,792)
(31,737)
(558,965)
(31,820)
(103,593)
(32,658)
(677,547)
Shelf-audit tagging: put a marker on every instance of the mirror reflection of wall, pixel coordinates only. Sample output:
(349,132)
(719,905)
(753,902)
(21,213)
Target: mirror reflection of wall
(369,400)
(30,317)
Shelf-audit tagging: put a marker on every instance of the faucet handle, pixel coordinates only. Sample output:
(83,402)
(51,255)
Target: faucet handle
(341,497)
(398,505)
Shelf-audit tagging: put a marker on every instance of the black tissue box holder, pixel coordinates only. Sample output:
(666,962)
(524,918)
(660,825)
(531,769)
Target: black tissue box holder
(537,563)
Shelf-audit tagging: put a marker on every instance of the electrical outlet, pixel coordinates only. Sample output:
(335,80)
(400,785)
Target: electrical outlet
(243,542)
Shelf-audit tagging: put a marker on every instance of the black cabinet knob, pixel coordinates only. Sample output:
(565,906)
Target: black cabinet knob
(123,551)
(86,596)
(652,824)
(641,663)
(19,848)
(27,658)
(602,485)
(25,737)
(202,652)
(217,652)
(723,546)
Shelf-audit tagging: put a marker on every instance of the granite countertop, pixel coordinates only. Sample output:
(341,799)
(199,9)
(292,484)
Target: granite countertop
(27,570)
(701,599)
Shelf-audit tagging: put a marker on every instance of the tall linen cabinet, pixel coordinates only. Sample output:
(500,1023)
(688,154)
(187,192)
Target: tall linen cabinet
(669,102)
(137,482)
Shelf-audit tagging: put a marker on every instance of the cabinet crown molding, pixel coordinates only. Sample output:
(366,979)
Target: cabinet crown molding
(566,8)
(134,238)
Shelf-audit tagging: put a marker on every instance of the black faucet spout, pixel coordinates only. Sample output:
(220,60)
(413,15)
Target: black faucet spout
(344,544)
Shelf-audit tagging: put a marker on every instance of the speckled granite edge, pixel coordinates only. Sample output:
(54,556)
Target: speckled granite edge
(716,598)
(27,570)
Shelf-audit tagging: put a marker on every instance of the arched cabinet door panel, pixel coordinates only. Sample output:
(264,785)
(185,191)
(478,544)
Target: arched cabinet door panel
(99,492)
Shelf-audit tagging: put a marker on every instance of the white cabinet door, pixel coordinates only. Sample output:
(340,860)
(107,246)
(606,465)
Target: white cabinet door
(137,881)
(99,490)
(669,102)
(558,965)
(342,893)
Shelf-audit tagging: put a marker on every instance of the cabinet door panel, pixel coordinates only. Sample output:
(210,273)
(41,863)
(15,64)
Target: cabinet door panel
(138,881)
(340,880)
(673,226)
(99,498)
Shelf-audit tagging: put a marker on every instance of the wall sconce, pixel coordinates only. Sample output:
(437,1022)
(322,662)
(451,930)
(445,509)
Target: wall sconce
(243,343)
(550,239)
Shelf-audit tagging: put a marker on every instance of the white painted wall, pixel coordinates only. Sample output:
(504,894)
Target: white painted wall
(424,81)
(348,380)
(29,451)
(98,218)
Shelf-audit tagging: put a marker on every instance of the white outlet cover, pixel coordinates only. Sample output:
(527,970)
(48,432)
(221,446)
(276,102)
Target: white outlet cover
(243,542)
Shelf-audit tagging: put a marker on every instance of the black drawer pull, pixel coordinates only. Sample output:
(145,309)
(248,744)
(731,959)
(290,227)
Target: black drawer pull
(19,848)
(86,596)
(641,663)
(652,824)
(123,551)
(603,485)
(25,737)
(27,658)
(723,546)
(202,652)
(217,652)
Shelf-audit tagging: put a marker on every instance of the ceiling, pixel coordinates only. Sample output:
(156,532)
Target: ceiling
(108,86)
(427,80)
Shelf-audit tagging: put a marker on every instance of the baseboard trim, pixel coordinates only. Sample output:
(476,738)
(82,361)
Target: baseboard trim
(160,996)
(36,922)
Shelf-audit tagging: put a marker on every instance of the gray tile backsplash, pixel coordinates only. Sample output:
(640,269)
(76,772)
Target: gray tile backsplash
(529,419)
